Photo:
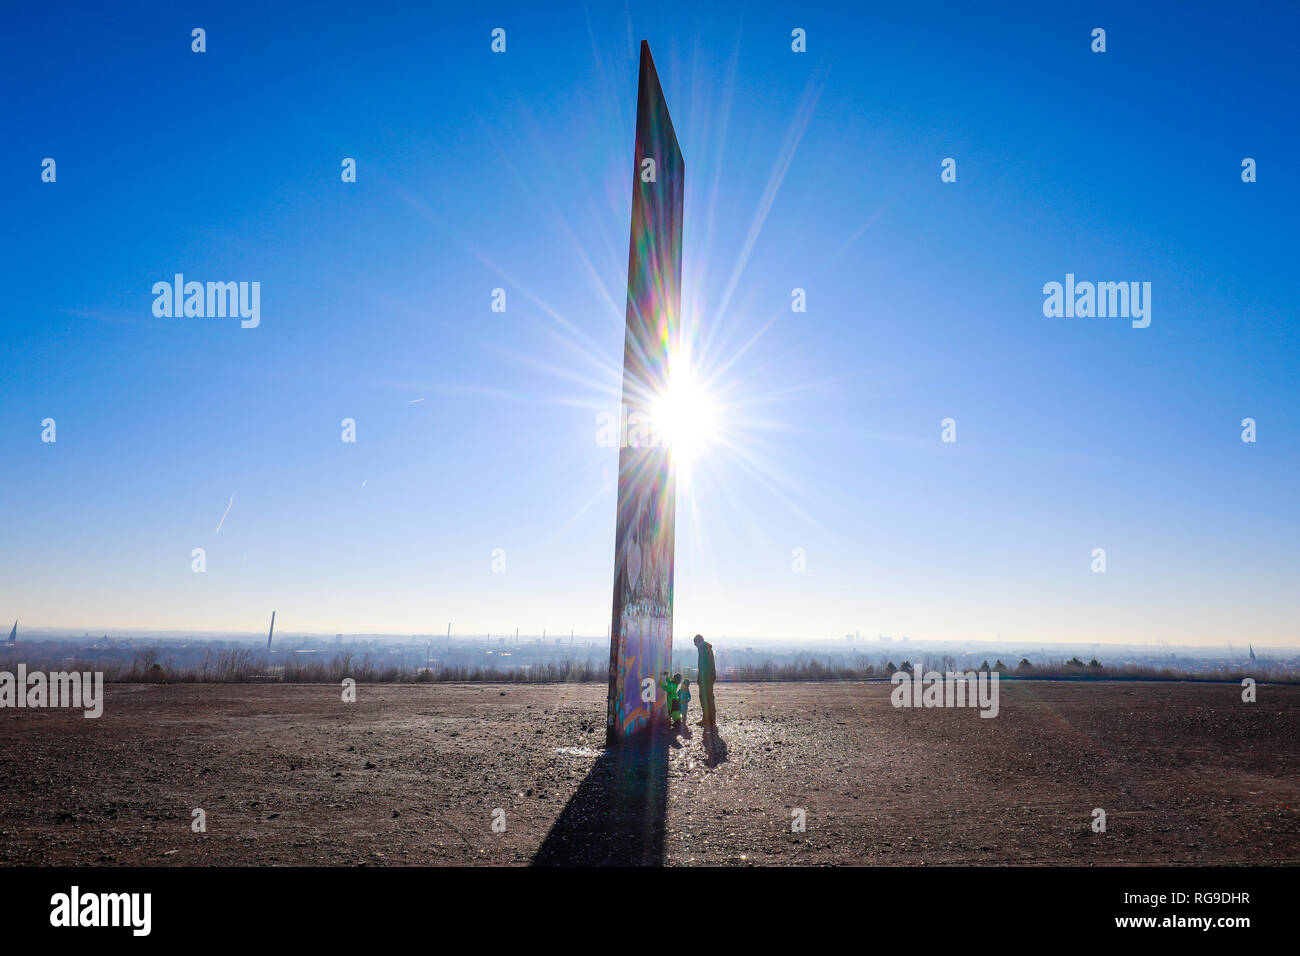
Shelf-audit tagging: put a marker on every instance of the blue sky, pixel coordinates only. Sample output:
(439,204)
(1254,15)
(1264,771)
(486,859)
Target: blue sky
(818,170)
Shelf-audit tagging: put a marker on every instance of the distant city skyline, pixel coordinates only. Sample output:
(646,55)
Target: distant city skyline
(457,312)
(877,644)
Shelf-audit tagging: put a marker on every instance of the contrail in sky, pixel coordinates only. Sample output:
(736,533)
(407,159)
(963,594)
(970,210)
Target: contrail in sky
(223,516)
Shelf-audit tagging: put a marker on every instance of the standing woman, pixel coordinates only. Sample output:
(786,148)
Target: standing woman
(708,674)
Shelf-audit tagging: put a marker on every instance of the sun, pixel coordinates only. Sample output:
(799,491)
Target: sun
(685,415)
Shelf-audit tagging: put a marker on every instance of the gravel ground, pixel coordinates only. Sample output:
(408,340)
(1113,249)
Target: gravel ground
(415,774)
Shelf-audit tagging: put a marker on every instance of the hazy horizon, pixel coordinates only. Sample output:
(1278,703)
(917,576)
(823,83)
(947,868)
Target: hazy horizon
(871,644)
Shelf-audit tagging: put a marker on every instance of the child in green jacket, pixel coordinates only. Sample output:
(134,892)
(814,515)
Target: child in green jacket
(670,685)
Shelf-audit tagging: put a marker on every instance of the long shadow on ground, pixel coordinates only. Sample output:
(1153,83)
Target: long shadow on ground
(616,817)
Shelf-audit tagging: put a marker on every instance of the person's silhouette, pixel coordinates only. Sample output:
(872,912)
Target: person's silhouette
(708,674)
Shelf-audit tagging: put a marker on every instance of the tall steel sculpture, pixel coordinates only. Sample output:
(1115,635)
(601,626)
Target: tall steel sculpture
(641,632)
